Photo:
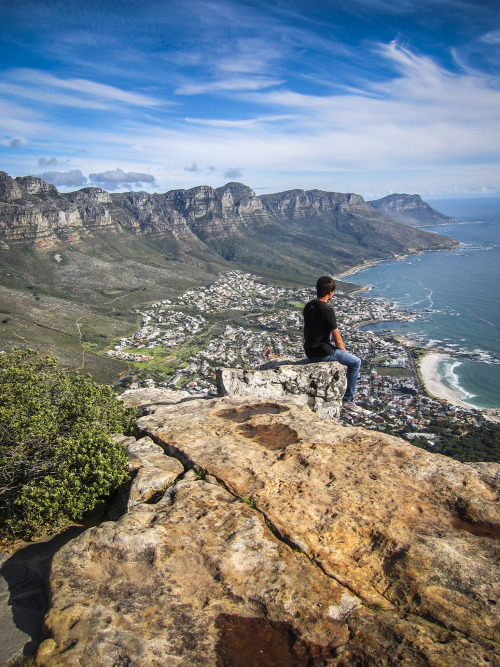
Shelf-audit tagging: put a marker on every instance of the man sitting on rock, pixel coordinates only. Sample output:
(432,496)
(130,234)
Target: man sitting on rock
(320,331)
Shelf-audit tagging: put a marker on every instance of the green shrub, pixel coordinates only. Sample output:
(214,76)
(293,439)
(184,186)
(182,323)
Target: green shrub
(57,459)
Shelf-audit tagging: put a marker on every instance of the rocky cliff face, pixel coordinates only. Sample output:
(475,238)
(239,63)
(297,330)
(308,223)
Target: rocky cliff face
(265,535)
(231,221)
(32,210)
(410,210)
(300,204)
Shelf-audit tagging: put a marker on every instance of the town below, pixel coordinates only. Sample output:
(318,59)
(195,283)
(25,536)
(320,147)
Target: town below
(242,322)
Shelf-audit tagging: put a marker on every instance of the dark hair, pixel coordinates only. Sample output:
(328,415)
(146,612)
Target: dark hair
(324,286)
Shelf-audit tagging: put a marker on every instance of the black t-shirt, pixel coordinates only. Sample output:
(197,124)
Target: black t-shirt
(319,322)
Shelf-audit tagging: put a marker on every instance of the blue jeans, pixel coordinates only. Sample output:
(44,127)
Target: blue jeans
(353,365)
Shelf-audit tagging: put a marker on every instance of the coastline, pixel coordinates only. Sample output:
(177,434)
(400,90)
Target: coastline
(432,382)
(396,258)
(364,265)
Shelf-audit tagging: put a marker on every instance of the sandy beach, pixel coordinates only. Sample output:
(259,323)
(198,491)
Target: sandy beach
(432,383)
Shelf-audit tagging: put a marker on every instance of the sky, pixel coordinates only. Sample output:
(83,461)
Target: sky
(365,96)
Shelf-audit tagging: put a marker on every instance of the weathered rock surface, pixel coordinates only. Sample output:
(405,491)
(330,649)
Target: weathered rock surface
(152,472)
(320,386)
(350,548)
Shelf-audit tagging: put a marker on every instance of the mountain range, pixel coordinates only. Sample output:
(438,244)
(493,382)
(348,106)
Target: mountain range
(295,232)
(74,267)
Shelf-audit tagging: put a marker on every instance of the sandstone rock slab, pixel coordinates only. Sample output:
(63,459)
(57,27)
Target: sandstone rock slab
(401,528)
(290,540)
(152,472)
(196,579)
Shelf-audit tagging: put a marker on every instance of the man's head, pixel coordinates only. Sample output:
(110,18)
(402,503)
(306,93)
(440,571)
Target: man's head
(324,286)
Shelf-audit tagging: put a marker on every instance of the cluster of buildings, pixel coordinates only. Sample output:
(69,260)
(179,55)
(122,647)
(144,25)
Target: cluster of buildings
(398,405)
(239,321)
(161,327)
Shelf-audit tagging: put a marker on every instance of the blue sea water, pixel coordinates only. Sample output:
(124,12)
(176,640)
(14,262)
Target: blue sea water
(461,287)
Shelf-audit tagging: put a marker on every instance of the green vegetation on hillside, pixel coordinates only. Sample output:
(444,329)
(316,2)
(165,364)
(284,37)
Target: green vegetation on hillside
(74,307)
(57,457)
(474,444)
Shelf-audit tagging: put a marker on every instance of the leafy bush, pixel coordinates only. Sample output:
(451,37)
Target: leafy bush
(57,459)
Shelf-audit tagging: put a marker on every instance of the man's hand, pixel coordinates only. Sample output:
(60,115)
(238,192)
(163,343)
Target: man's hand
(337,339)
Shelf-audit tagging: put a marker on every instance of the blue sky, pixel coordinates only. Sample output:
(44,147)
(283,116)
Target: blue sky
(365,96)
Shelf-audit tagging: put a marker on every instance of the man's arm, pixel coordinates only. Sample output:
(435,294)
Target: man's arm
(337,339)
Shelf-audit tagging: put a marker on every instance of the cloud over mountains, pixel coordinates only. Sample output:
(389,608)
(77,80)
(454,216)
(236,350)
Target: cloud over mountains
(108,180)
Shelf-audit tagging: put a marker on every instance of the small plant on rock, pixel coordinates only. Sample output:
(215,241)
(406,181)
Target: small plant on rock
(248,501)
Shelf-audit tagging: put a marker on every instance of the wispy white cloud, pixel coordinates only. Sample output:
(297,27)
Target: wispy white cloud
(86,87)
(230,84)
(492,37)
(249,56)
(50,98)
(402,7)
(246,123)
(18,125)
(39,86)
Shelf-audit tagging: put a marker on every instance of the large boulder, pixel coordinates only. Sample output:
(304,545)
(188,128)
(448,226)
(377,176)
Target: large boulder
(321,386)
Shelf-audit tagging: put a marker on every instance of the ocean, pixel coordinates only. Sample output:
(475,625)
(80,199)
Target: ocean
(460,289)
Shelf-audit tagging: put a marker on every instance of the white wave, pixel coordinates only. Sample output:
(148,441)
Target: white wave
(430,294)
(492,324)
(450,367)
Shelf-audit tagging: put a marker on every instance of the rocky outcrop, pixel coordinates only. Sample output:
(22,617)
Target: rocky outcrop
(300,204)
(410,210)
(152,472)
(35,213)
(320,386)
(295,231)
(289,540)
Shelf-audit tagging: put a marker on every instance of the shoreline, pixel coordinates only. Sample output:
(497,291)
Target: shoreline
(397,258)
(433,384)
(365,265)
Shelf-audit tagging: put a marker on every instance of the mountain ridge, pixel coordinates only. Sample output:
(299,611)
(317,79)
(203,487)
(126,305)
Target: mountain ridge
(410,210)
(230,222)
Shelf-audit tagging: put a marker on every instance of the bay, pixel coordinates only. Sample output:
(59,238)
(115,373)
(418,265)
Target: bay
(457,292)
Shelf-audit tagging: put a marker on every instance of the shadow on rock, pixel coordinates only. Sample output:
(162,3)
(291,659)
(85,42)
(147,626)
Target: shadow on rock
(25,574)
